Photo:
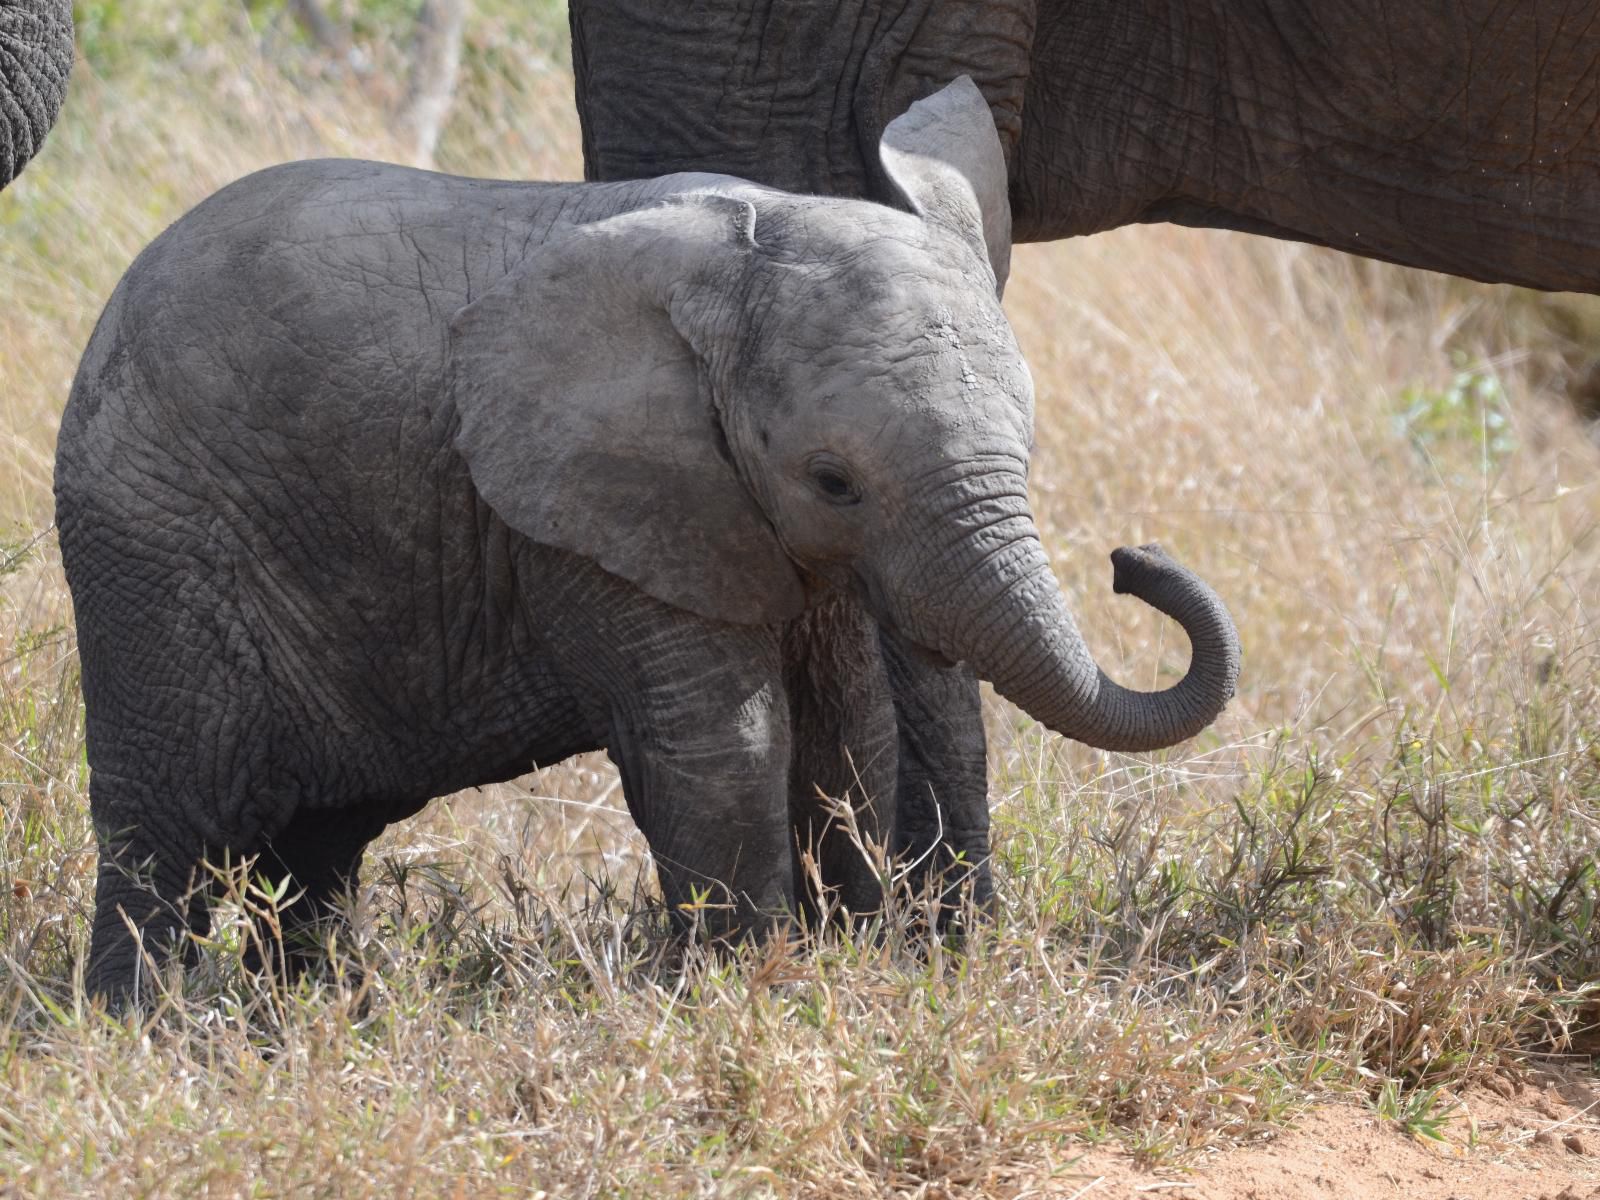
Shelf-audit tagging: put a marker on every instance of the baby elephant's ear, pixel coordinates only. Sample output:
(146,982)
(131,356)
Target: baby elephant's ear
(586,422)
(944,155)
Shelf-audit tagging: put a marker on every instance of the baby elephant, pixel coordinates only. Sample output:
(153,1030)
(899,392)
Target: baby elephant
(376,484)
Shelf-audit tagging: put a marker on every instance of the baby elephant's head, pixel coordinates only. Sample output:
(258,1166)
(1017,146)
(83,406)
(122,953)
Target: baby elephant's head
(739,397)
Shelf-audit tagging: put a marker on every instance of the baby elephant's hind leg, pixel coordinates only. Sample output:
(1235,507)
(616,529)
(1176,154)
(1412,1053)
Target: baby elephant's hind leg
(148,895)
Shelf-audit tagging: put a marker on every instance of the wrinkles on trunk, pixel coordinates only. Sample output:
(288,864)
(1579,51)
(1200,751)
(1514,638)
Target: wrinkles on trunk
(35,60)
(987,596)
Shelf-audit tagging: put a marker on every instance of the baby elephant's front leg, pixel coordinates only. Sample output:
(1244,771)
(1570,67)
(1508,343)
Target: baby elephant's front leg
(698,725)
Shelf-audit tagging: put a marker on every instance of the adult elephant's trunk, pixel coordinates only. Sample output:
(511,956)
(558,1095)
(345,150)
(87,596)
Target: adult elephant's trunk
(996,605)
(35,59)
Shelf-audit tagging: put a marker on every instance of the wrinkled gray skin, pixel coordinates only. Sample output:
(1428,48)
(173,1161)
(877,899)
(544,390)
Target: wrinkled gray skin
(1454,135)
(375,484)
(35,60)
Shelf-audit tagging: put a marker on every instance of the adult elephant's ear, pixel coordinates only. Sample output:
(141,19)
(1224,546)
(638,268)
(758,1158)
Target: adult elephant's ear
(586,418)
(945,157)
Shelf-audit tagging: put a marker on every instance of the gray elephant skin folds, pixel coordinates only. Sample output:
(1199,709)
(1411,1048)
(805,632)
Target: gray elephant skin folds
(35,60)
(375,484)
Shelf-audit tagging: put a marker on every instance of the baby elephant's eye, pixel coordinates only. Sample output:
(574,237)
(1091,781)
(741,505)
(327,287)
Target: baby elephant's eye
(830,478)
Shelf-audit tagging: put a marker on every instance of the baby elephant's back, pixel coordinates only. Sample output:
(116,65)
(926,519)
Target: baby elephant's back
(295,320)
(254,454)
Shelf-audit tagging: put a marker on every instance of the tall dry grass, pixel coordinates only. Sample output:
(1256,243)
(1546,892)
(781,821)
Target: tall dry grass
(1376,870)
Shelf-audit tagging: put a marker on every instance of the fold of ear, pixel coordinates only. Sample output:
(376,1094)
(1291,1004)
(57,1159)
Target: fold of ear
(944,155)
(586,421)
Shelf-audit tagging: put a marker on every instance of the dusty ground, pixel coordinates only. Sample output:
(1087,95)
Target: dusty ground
(1540,1140)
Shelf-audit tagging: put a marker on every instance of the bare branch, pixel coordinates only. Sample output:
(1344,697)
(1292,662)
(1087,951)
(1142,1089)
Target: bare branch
(435,66)
(319,27)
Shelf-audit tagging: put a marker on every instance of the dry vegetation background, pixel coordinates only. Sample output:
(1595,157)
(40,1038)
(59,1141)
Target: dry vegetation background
(1374,879)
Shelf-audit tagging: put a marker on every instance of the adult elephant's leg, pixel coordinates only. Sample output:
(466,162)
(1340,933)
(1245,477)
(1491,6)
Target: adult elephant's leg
(844,753)
(942,806)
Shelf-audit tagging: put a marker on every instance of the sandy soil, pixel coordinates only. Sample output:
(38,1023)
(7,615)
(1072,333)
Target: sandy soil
(1536,1138)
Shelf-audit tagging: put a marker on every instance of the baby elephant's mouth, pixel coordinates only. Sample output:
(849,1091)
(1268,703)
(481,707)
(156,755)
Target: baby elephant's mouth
(867,590)
(930,656)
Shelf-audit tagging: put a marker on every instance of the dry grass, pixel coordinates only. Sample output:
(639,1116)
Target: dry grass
(1375,876)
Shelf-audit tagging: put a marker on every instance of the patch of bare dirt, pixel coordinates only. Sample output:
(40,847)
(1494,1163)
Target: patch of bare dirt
(1535,1138)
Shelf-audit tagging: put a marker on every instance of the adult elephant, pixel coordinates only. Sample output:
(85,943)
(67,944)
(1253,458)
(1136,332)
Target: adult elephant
(35,59)
(1457,135)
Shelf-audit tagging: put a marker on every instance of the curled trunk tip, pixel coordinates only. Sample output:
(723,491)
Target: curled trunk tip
(1035,656)
(1151,574)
